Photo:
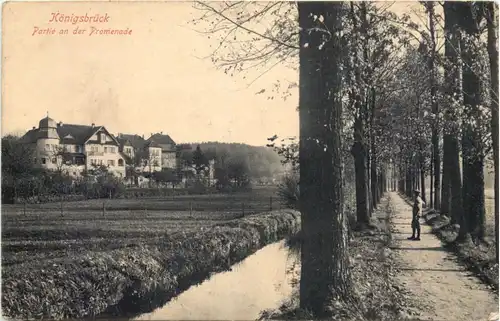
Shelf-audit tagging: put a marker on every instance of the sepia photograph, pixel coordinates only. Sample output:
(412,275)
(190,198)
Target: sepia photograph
(249,160)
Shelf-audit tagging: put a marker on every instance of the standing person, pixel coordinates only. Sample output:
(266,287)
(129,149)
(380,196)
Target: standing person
(417,212)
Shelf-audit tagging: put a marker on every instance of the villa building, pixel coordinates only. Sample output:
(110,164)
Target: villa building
(168,149)
(144,156)
(74,148)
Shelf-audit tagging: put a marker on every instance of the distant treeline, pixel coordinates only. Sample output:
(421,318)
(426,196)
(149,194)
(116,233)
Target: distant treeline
(260,163)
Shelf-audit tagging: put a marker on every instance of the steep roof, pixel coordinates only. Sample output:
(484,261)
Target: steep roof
(76,134)
(30,137)
(152,143)
(68,134)
(161,139)
(135,141)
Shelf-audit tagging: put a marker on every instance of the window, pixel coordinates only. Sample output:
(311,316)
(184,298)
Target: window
(47,146)
(105,149)
(75,149)
(44,160)
(34,160)
(93,162)
(54,160)
(101,162)
(111,162)
(120,162)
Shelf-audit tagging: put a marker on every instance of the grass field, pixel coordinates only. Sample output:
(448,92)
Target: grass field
(41,233)
(129,260)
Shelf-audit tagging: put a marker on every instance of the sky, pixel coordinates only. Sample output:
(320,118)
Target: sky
(152,80)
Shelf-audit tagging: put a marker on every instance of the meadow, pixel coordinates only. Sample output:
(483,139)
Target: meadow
(120,260)
(46,231)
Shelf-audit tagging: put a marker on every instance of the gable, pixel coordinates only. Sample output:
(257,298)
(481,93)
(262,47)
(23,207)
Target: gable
(102,136)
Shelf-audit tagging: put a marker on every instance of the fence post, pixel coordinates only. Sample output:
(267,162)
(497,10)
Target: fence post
(103,208)
(190,208)
(242,209)
(24,208)
(145,209)
(270,203)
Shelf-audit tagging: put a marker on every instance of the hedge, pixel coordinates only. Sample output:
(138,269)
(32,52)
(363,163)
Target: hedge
(138,278)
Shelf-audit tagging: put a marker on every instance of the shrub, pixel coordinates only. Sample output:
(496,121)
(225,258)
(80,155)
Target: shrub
(288,190)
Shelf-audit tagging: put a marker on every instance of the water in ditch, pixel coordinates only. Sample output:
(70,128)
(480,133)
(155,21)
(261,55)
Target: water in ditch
(260,282)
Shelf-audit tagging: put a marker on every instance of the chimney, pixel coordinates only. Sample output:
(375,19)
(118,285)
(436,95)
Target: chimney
(93,125)
(34,127)
(59,124)
(142,136)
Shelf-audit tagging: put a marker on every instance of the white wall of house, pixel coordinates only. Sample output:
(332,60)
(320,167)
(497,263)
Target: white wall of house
(168,159)
(46,153)
(155,159)
(106,155)
(129,150)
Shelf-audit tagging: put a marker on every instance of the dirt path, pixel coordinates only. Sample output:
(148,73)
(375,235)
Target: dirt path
(442,287)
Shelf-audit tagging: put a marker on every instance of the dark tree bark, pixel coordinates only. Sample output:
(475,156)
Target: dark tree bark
(373,172)
(422,186)
(408,180)
(446,187)
(435,107)
(324,272)
(362,203)
(472,151)
(493,54)
(359,149)
(373,149)
(431,185)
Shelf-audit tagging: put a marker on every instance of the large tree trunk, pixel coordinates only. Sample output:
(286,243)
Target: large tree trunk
(435,107)
(422,184)
(362,203)
(369,179)
(324,271)
(472,150)
(446,187)
(408,179)
(431,185)
(373,167)
(493,54)
(457,208)
(359,149)
(373,172)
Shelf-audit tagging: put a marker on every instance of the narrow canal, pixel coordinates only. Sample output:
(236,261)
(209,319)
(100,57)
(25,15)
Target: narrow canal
(260,282)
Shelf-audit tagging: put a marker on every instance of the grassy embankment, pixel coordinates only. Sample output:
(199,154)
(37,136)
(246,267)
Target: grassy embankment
(479,258)
(84,264)
(376,294)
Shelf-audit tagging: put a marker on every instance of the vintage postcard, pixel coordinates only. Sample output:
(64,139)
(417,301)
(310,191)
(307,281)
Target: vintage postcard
(239,160)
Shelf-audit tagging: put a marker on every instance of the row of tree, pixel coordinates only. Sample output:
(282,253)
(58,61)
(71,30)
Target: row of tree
(446,125)
(375,85)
